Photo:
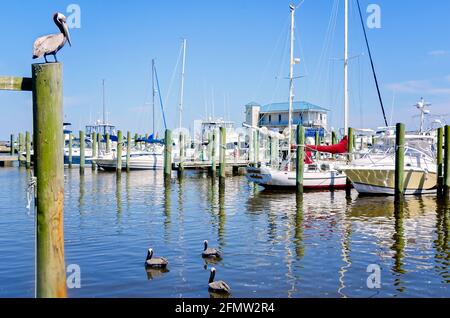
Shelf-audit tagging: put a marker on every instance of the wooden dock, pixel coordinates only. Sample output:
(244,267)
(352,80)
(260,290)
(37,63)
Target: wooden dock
(194,165)
(8,160)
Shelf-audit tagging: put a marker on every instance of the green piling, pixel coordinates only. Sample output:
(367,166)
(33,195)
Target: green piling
(223,146)
(82,152)
(333,138)
(28,149)
(11,140)
(351,136)
(300,160)
(168,154)
(181,154)
(136,137)
(128,151)
(108,144)
(119,152)
(399,159)
(446,181)
(70,149)
(317,138)
(49,171)
(93,149)
(99,143)
(213,158)
(439,158)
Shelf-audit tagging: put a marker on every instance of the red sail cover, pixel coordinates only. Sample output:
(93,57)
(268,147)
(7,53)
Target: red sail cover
(339,148)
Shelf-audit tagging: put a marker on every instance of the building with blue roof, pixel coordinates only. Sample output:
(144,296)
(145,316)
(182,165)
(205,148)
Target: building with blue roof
(275,116)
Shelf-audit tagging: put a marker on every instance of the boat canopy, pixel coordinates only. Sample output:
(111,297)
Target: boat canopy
(339,148)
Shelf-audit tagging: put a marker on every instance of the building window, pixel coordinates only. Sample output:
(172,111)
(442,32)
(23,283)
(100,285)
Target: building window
(270,119)
(279,118)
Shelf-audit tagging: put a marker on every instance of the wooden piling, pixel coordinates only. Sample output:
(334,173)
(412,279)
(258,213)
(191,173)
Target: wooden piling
(119,152)
(168,154)
(99,143)
(348,184)
(300,160)
(94,149)
(333,138)
(49,171)
(181,155)
(223,147)
(108,145)
(21,143)
(12,148)
(136,137)
(439,158)
(28,149)
(446,181)
(82,152)
(70,149)
(399,159)
(128,151)
(317,142)
(213,158)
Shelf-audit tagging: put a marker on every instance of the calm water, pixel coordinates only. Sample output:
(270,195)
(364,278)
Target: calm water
(274,244)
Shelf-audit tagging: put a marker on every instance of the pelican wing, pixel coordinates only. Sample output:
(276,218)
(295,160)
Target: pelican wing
(220,286)
(48,44)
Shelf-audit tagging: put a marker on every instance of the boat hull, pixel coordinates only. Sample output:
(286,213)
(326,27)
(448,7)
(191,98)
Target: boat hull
(147,162)
(273,179)
(382,181)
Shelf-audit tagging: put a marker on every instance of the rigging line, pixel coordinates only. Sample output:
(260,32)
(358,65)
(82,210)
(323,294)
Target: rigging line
(371,63)
(172,78)
(160,98)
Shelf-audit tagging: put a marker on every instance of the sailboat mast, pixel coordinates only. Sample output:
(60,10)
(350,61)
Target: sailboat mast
(182,82)
(291,79)
(153,96)
(104,105)
(346,69)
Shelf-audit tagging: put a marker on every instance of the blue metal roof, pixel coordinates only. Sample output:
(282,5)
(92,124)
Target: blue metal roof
(298,106)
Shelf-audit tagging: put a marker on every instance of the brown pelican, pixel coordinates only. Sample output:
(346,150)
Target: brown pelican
(155,262)
(51,44)
(219,286)
(210,252)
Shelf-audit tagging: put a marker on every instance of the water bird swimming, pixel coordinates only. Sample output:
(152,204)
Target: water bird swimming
(210,252)
(155,262)
(219,286)
(52,43)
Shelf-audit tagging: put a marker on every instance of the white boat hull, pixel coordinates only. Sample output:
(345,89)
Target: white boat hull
(141,162)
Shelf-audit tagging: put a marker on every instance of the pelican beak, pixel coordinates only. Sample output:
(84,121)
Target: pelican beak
(66,32)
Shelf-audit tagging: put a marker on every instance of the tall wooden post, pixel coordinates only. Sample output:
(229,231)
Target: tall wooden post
(119,152)
(333,138)
(108,145)
(168,154)
(94,149)
(49,171)
(399,159)
(446,183)
(213,158)
(128,150)
(317,142)
(11,140)
(70,149)
(439,158)
(28,149)
(181,154)
(348,188)
(300,162)
(82,152)
(136,136)
(223,147)
(21,143)
(99,143)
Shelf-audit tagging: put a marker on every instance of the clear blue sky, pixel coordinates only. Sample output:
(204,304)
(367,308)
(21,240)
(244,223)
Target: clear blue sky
(236,50)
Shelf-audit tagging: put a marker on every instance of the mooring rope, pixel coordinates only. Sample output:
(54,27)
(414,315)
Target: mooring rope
(31,191)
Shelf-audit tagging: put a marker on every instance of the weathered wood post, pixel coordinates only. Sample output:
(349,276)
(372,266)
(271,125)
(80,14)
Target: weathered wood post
(108,145)
(351,136)
(48,145)
(28,149)
(168,154)
(70,149)
(317,136)
(399,159)
(181,154)
(12,148)
(99,143)
(300,160)
(256,148)
(251,145)
(82,152)
(128,151)
(119,152)
(21,144)
(213,158)
(94,149)
(333,138)
(136,136)
(446,181)
(439,159)
(146,140)
(223,147)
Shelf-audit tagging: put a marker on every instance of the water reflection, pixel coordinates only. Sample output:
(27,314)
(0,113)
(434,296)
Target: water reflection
(153,273)
(441,243)
(399,245)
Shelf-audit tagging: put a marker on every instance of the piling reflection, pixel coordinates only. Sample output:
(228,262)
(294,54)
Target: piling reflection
(81,202)
(298,236)
(167,207)
(222,216)
(346,228)
(399,244)
(119,201)
(441,243)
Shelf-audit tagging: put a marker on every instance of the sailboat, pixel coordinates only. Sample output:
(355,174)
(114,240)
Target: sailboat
(319,174)
(152,157)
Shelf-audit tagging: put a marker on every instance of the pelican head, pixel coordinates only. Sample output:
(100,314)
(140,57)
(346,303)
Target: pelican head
(61,22)
(149,254)
(212,275)
(205,243)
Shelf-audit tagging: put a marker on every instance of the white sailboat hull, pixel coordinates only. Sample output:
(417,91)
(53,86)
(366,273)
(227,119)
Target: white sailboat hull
(137,162)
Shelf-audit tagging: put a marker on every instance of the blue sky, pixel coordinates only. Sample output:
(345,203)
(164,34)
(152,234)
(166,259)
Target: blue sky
(236,54)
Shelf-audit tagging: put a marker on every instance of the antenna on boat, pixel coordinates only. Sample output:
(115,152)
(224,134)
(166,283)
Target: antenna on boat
(422,106)
(182,82)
